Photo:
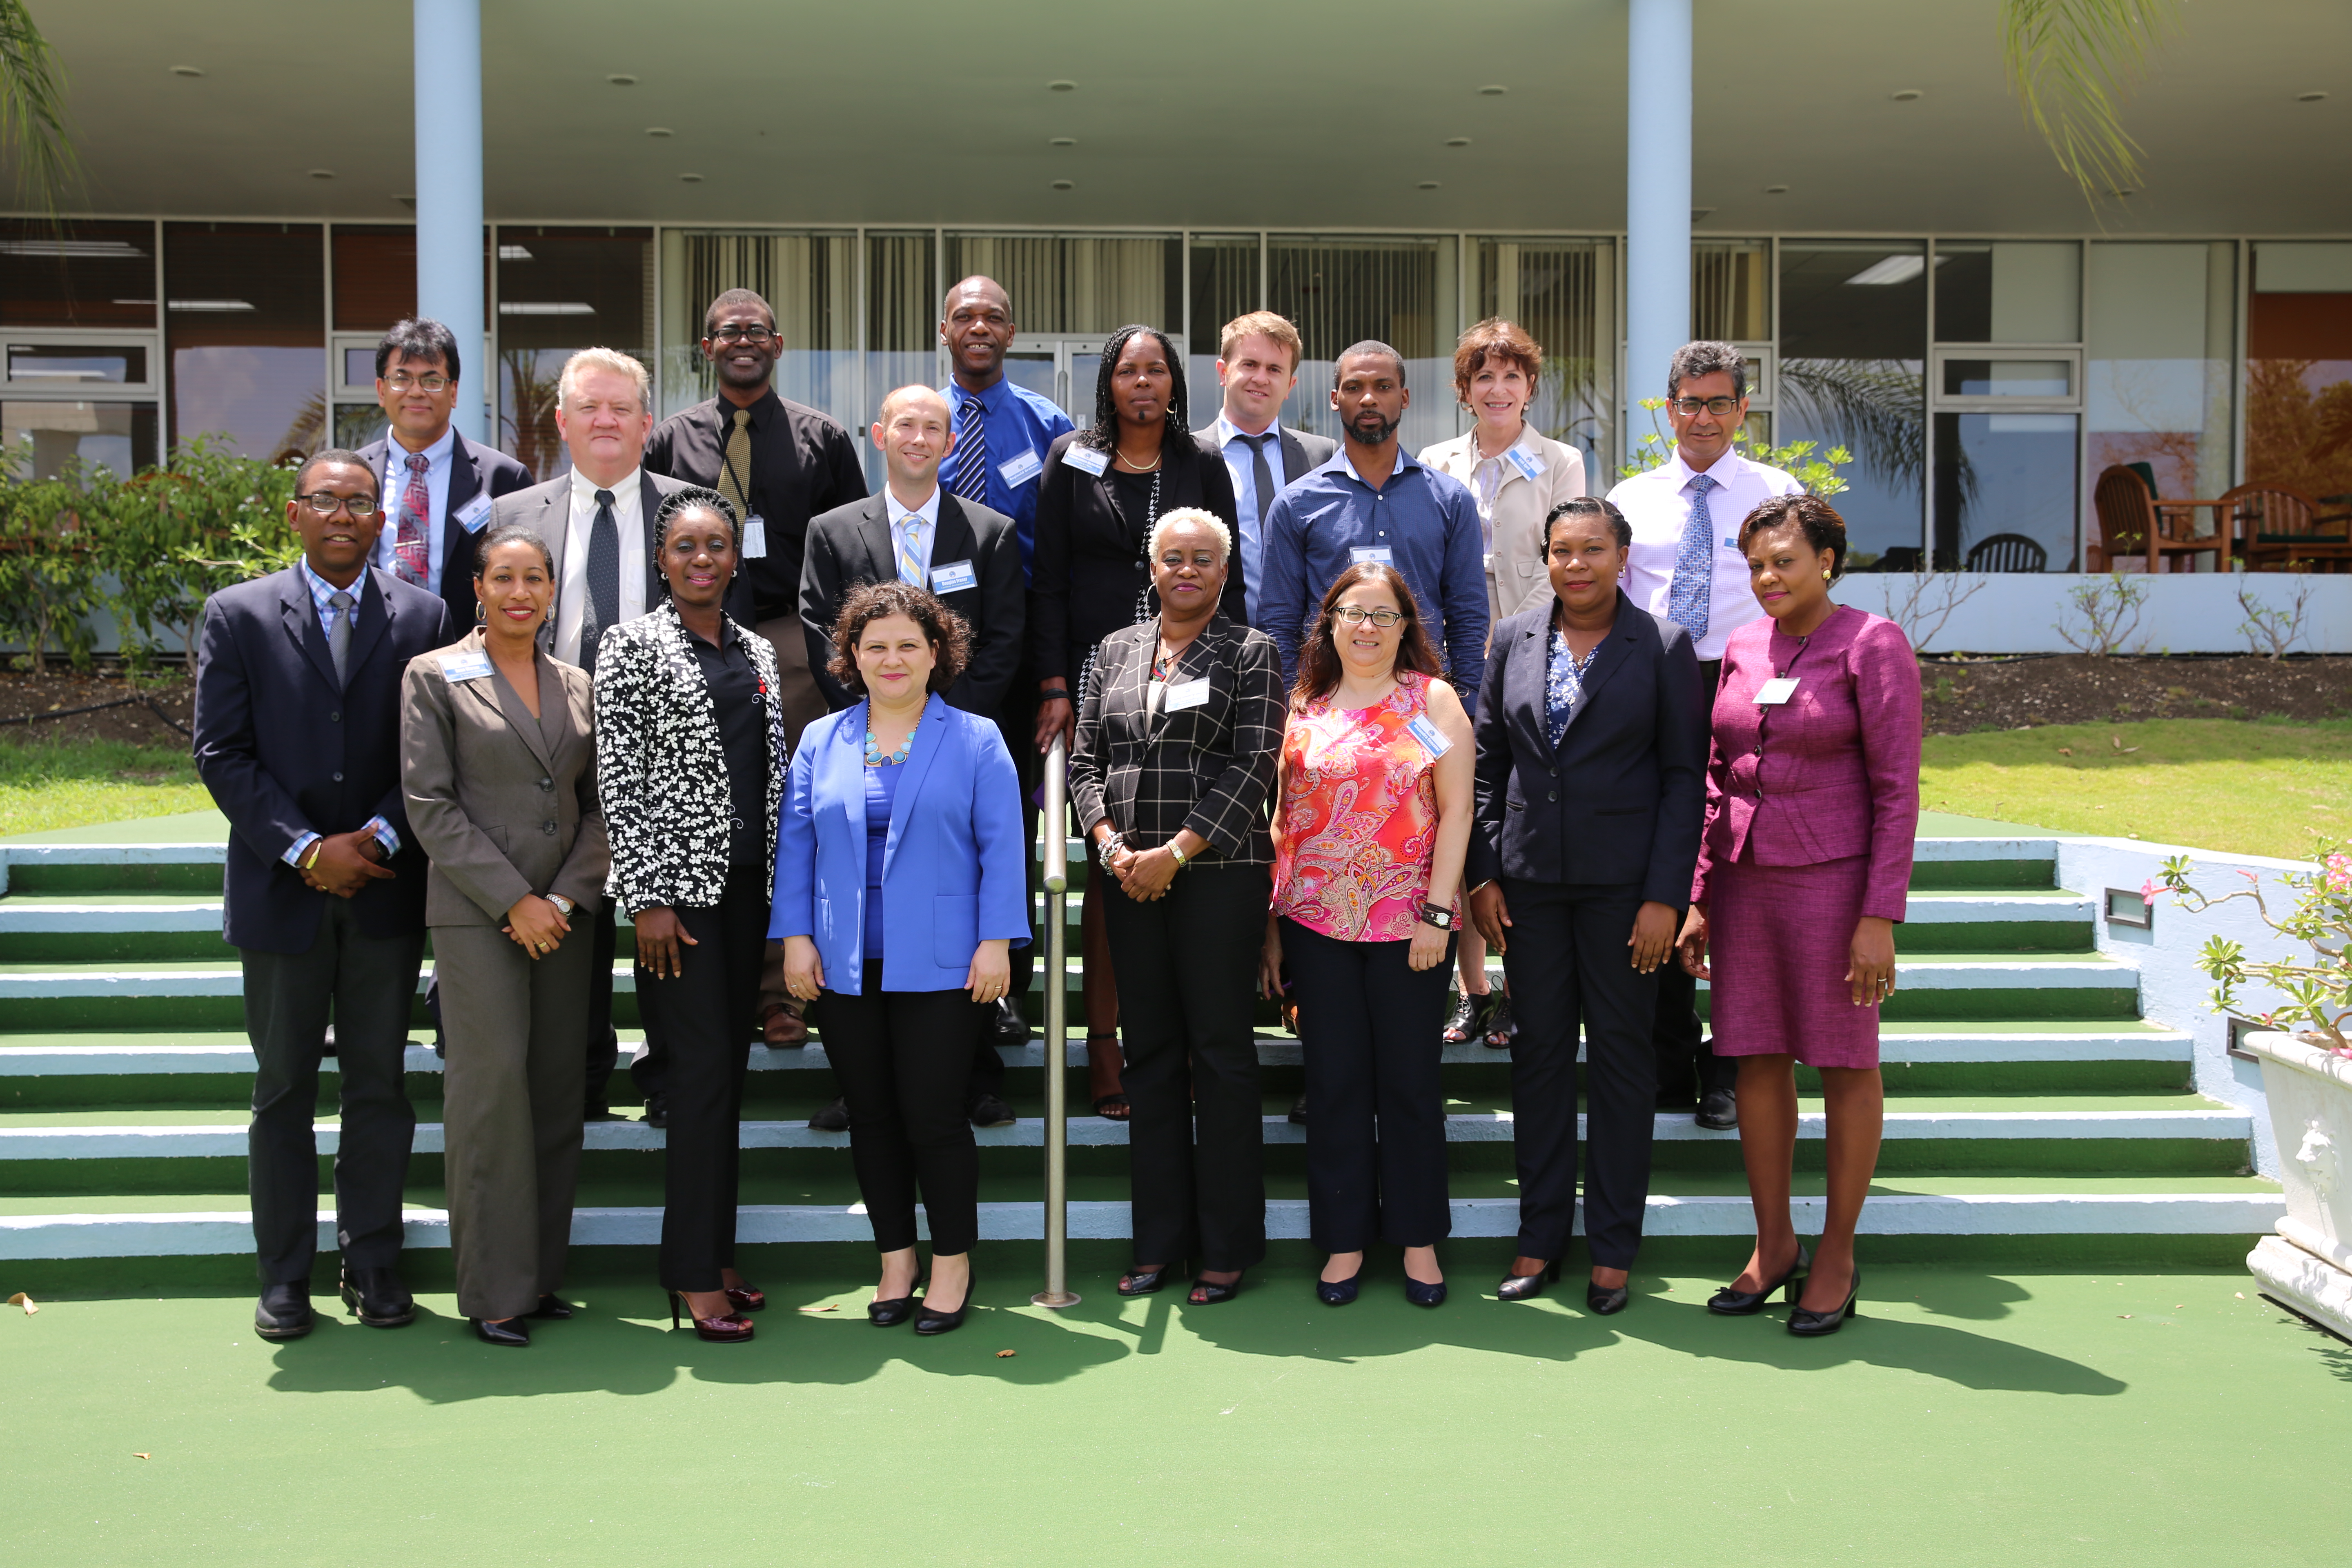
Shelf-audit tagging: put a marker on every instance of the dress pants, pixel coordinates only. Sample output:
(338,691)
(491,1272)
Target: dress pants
(510,1111)
(802,702)
(363,985)
(1687,1066)
(703,1019)
(1370,1027)
(1568,963)
(904,1059)
(1187,965)
(604,1050)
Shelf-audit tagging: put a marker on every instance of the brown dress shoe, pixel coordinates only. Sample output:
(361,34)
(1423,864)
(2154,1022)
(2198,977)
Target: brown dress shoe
(782,1026)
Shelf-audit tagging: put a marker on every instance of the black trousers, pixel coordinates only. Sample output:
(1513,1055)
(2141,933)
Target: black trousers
(364,985)
(1687,1065)
(902,1057)
(1568,963)
(704,1018)
(603,1045)
(1187,967)
(1370,1027)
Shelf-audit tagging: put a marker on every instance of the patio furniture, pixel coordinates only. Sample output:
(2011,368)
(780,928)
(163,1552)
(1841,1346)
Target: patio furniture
(2279,529)
(2134,522)
(2007,552)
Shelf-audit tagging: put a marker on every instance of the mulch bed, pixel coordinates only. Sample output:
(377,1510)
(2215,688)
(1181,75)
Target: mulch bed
(124,712)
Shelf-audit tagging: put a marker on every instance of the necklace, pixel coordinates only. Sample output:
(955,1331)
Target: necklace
(1135,467)
(874,757)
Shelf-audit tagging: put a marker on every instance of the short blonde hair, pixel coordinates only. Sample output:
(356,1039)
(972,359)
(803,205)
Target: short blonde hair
(1207,520)
(612,359)
(1263,324)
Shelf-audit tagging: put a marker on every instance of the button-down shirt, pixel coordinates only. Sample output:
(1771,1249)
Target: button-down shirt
(1658,503)
(322,599)
(1015,420)
(926,518)
(572,593)
(1428,525)
(396,487)
(1242,464)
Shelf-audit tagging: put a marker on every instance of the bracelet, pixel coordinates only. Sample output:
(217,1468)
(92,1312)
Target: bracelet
(312,857)
(1175,849)
(1107,847)
(1437,915)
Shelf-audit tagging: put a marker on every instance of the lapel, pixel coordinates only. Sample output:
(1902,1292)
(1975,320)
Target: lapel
(953,539)
(1195,662)
(302,618)
(1294,459)
(840,769)
(369,628)
(1615,650)
(650,504)
(874,532)
(1524,682)
(928,742)
(465,481)
(518,717)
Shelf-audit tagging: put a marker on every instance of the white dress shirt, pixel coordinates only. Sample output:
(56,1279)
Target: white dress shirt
(928,515)
(1658,503)
(572,593)
(1243,467)
(436,514)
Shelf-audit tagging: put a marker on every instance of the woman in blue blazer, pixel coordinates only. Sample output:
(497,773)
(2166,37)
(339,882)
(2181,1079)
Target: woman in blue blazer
(900,890)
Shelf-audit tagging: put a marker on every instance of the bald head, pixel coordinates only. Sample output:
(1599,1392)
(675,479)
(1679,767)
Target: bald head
(1370,348)
(912,431)
(906,396)
(976,328)
(978,287)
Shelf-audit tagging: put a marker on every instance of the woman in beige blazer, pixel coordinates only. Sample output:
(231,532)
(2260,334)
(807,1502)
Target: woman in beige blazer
(1516,475)
(498,766)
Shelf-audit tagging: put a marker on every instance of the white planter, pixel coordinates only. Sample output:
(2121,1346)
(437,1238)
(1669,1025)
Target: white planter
(2308,1264)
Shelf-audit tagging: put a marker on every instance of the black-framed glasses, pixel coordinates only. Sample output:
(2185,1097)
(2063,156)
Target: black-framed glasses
(326,503)
(431,381)
(758,337)
(1356,616)
(1686,406)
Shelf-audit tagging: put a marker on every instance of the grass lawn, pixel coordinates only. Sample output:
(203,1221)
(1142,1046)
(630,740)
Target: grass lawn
(2251,788)
(47,785)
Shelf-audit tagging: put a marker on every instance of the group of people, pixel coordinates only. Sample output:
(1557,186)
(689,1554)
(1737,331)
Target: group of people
(1339,720)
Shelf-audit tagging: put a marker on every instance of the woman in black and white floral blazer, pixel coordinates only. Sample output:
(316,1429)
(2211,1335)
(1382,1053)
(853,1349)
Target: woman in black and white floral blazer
(690,735)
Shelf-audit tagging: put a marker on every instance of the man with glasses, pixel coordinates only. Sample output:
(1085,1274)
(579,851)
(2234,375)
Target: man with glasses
(1257,364)
(297,736)
(1686,564)
(438,485)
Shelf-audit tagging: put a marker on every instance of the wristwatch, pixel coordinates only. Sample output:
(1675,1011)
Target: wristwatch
(1437,915)
(563,906)
(1176,849)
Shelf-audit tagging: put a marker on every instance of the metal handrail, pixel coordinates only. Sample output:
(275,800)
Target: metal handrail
(1054,845)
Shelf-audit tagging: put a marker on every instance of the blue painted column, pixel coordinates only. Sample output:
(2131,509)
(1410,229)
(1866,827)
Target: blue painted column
(449,191)
(1657,200)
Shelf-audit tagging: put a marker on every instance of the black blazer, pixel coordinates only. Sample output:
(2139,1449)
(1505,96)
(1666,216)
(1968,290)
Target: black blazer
(850,546)
(473,470)
(1621,802)
(285,751)
(1088,565)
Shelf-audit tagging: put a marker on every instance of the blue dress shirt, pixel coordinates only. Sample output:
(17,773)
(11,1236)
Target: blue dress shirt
(1426,521)
(394,478)
(322,599)
(1017,420)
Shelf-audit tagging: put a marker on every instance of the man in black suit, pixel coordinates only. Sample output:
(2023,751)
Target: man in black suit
(597,522)
(1257,365)
(296,737)
(437,487)
(970,557)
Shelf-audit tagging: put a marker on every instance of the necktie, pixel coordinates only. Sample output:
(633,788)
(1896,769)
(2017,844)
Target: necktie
(971,454)
(604,580)
(1691,594)
(339,636)
(735,471)
(910,543)
(415,525)
(1261,475)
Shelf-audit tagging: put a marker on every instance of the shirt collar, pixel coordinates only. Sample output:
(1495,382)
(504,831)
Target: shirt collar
(583,494)
(396,456)
(762,409)
(929,511)
(1228,432)
(321,591)
(991,401)
(1723,471)
(1404,460)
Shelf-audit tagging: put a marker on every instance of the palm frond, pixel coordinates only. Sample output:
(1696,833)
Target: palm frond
(33,111)
(2071,63)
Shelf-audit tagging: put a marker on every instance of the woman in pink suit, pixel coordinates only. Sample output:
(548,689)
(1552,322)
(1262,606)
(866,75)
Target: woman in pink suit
(1812,797)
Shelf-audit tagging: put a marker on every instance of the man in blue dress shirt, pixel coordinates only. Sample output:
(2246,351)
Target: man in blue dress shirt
(1002,430)
(1374,502)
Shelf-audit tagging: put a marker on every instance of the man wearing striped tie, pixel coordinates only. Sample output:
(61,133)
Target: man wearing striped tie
(1685,565)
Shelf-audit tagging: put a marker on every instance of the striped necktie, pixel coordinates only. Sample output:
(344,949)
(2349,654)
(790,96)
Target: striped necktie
(971,454)
(910,544)
(1691,595)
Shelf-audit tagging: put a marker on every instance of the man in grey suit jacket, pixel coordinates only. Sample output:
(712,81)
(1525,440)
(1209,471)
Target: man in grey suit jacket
(1257,364)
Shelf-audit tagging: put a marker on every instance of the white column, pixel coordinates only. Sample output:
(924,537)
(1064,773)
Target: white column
(1657,199)
(449,191)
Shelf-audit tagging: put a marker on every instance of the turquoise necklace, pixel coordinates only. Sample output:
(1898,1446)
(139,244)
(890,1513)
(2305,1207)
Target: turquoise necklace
(874,757)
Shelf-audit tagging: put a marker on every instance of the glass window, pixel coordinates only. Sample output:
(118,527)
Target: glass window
(1564,293)
(44,437)
(77,274)
(2158,346)
(810,281)
(376,280)
(1729,291)
(63,366)
(902,323)
(561,290)
(245,331)
(1225,278)
(2299,370)
(1854,330)
(2005,491)
(2007,293)
(1076,286)
(1399,291)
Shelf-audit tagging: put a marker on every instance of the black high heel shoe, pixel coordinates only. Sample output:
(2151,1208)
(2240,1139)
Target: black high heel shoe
(928,1321)
(1142,1281)
(1606,1300)
(1528,1287)
(1733,1302)
(511,1331)
(1338,1293)
(1209,1293)
(732,1329)
(1808,1324)
(1471,1011)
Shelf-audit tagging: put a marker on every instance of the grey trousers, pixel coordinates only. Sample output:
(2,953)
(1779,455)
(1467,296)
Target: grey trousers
(363,985)
(511,1116)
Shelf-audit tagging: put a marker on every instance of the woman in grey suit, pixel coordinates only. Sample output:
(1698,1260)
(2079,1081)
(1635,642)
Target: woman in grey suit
(498,766)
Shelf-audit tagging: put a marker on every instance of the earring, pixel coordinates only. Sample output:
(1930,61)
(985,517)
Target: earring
(481,614)
(1825,576)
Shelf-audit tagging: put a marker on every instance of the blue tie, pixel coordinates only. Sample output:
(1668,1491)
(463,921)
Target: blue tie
(1691,594)
(970,482)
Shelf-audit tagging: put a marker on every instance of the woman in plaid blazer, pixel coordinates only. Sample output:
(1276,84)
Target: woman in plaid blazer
(1175,759)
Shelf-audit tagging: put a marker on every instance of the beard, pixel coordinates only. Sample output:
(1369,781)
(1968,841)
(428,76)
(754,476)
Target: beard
(1371,430)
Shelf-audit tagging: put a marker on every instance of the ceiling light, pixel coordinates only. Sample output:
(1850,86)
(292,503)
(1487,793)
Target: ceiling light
(406,201)
(1889,270)
(1062,142)
(1062,185)
(513,253)
(1428,185)
(2309,96)
(545,308)
(147,302)
(187,70)
(207,304)
(622,80)
(691,179)
(659,130)
(2121,191)
(1698,213)
(1457,141)
(79,249)
(1907,95)
(322,173)
(1496,91)
(1062,87)
(1776,190)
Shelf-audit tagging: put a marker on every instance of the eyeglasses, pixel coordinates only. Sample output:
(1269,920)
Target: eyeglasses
(732,334)
(401,381)
(1686,406)
(326,503)
(1356,616)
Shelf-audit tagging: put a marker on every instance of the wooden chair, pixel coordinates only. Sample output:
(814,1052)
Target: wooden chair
(2280,528)
(2007,552)
(2133,522)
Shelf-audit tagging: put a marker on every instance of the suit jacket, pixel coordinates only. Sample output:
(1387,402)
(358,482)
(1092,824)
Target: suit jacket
(1303,452)
(1619,802)
(473,470)
(546,510)
(1209,767)
(851,546)
(1518,577)
(285,750)
(505,804)
(1088,566)
(954,867)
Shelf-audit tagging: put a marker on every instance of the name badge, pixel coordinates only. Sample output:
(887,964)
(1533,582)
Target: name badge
(1019,470)
(1186,694)
(1377,554)
(755,537)
(1528,463)
(1731,544)
(465,666)
(1774,692)
(1085,459)
(953,577)
(1432,739)
(473,514)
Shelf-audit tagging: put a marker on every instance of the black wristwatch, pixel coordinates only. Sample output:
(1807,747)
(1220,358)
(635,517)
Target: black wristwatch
(1437,915)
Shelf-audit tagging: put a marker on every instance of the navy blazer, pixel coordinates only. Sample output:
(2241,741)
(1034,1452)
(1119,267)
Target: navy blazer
(473,470)
(286,752)
(954,867)
(1622,800)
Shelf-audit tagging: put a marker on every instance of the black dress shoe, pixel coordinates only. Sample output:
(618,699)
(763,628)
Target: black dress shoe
(1528,1287)
(929,1320)
(1007,1024)
(1719,1110)
(1733,1302)
(889,1314)
(987,1110)
(1142,1281)
(554,1309)
(1338,1293)
(1423,1294)
(658,1109)
(1298,1111)
(833,1117)
(512,1332)
(379,1298)
(283,1312)
(1605,1301)
(1808,1324)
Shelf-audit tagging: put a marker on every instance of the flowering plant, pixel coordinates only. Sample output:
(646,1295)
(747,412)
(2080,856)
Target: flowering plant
(2317,992)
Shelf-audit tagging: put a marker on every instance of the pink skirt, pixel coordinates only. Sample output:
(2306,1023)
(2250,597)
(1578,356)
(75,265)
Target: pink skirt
(1779,938)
